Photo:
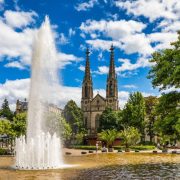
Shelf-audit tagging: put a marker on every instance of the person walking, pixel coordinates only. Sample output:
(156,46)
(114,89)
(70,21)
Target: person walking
(97,147)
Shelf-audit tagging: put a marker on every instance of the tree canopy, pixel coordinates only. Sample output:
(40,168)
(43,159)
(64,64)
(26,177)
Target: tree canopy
(19,124)
(165,74)
(108,136)
(151,115)
(168,122)
(134,112)
(166,70)
(5,110)
(74,116)
(130,136)
(109,119)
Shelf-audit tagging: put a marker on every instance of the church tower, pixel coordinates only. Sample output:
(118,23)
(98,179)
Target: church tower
(111,86)
(87,93)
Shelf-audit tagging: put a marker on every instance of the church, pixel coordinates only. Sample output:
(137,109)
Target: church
(93,106)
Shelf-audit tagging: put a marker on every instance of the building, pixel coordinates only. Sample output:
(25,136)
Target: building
(55,109)
(21,106)
(93,106)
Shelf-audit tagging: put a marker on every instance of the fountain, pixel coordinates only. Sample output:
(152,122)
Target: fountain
(41,149)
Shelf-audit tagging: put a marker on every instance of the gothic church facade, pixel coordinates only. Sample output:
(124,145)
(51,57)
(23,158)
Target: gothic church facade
(93,106)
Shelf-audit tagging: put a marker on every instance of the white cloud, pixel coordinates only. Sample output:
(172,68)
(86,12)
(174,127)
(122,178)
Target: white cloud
(113,29)
(137,43)
(15,44)
(102,70)
(18,44)
(13,90)
(81,68)
(15,64)
(18,89)
(170,90)
(63,39)
(167,13)
(162,39)
(65,59)
(130,86)
(18,19)
(99,44)
(152,9)
(1,1)
(71,32)
(123,97)
(112,16)
(126,35)
(86,5)
(126,65)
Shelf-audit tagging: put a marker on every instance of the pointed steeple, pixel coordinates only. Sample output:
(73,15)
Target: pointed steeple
(112,73)
(87,68)
(111,86)
(87,87)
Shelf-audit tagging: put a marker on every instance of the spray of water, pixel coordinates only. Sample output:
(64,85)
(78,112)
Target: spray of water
(41,149)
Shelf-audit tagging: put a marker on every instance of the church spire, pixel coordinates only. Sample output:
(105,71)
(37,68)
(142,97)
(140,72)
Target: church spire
(112,73)
(87,68)
(111,86)
(87,87)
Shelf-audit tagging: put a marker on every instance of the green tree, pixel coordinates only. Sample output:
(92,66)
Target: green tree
(19,124)
(151,115)
(134,113)
(130,136)
(165,75)
(5,110)
(166,69)
(108,136)
(55,123)
(168,121)
(109,119)
(74,116)
(5,127)
(79,138)
(65,131)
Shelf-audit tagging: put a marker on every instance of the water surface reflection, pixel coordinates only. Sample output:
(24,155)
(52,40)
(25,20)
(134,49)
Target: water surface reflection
(103,166)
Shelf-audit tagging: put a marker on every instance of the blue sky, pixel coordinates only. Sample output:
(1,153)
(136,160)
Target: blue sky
(136,28)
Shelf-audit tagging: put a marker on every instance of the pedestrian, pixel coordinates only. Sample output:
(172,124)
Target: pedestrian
(97,147)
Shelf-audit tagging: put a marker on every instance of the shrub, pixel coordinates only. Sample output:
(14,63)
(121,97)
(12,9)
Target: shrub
(85,147)
(3,152)
(140,148)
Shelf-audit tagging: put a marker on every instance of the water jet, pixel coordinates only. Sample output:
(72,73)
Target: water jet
(40,149)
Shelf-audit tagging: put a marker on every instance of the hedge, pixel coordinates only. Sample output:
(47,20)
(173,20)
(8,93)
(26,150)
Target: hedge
(140,148)
(85,147)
